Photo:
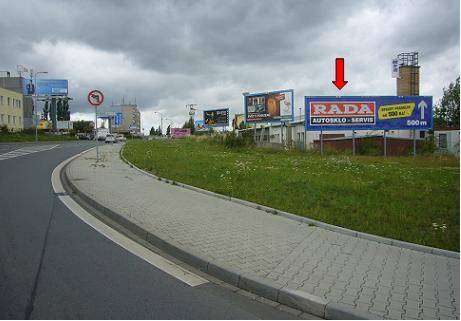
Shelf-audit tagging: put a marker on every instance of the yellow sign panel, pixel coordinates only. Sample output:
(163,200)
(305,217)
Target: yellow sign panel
(396,111)
(44,124)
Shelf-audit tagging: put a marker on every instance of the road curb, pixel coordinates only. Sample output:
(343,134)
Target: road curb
(294,217)
(260,286)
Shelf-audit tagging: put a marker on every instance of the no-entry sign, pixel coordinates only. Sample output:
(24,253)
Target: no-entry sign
(95,97)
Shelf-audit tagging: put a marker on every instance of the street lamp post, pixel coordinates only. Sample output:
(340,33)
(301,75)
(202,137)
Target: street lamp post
(35,103)
(161,121)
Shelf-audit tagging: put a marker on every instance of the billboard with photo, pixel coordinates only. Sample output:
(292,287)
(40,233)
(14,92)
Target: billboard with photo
(216,117)
(272,106)
(28,87)
(52,87)
(200,125)
(368,112)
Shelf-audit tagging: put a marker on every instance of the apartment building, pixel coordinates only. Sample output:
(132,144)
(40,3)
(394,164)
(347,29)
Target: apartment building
(11,109)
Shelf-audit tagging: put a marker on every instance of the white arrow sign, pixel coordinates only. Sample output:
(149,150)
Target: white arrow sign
(421,106)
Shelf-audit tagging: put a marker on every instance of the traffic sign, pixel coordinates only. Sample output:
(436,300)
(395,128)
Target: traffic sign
(95,97)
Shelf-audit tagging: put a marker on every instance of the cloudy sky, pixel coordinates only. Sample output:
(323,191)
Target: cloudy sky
(167,54)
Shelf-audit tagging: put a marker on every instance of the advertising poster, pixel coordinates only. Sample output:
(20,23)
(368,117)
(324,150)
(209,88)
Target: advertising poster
(179,132)
(273,106)
(368,112)
(52,87)
(216,117)
(200,125)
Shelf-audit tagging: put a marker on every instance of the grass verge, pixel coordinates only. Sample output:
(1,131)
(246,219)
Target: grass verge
(405,198)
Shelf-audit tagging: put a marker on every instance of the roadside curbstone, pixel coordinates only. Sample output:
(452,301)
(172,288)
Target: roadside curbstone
(303,301)
(225,274)
(335,311)
(260,286)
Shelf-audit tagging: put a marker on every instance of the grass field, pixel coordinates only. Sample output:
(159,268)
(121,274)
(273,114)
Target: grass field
(406,198)
(29,137)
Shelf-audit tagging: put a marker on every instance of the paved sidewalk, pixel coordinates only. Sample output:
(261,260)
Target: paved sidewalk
(386,281)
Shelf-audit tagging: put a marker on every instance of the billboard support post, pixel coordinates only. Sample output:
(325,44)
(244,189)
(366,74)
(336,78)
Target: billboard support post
(353,143)
(414,142)
(385,143)
(321,142)
(254,133)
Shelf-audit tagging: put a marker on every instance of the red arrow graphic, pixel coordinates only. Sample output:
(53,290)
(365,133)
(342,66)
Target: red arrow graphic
(339,82)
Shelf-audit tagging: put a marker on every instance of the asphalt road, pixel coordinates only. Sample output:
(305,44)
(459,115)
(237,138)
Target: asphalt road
(54,266)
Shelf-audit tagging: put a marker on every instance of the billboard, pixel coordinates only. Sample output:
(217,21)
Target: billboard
(118,119)
(28,87)
(179,132)
(50,87)
(273,106)
(200,125)
(216,117)
(368,112)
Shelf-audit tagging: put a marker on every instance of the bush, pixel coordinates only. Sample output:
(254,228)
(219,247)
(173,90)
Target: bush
(368,147)
(231,140)
(4,129)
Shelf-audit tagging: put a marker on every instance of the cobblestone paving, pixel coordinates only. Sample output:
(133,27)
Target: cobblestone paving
(387,281)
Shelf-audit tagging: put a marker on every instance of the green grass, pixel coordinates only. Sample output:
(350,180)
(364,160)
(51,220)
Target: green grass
(30,137)
(396,197)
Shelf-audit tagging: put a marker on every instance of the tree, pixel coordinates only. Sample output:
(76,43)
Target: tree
(190,124)
(83,126)
(152,131)
(159,131)
(168,130)
(65,110)
(59,111)
(46,111)
(446,111)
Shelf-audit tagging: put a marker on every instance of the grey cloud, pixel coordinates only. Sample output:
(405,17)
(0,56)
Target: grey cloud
(211,51)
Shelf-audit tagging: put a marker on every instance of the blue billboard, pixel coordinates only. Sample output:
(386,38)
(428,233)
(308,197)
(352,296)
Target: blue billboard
(118,119)
(368,112)
(52,87)
(28,87)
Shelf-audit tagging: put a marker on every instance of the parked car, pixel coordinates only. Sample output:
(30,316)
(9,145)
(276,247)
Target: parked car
(110,139)
(120,138)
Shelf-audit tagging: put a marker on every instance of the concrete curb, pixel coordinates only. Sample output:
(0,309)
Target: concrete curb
(294,217)
(263,287)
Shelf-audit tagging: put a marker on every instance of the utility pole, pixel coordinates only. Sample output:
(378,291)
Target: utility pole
(35,103)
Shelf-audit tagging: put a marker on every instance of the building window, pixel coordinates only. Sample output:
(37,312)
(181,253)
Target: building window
(19,103)
(443,141)
(14,120)
(20,120)
(9,101)
(2,119)
(9,119)
(1,100)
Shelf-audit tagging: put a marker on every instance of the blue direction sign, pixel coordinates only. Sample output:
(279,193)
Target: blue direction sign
(368,112)
(52,87)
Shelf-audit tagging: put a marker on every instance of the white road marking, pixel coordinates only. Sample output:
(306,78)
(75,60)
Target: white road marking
(26,151)
(125,242)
